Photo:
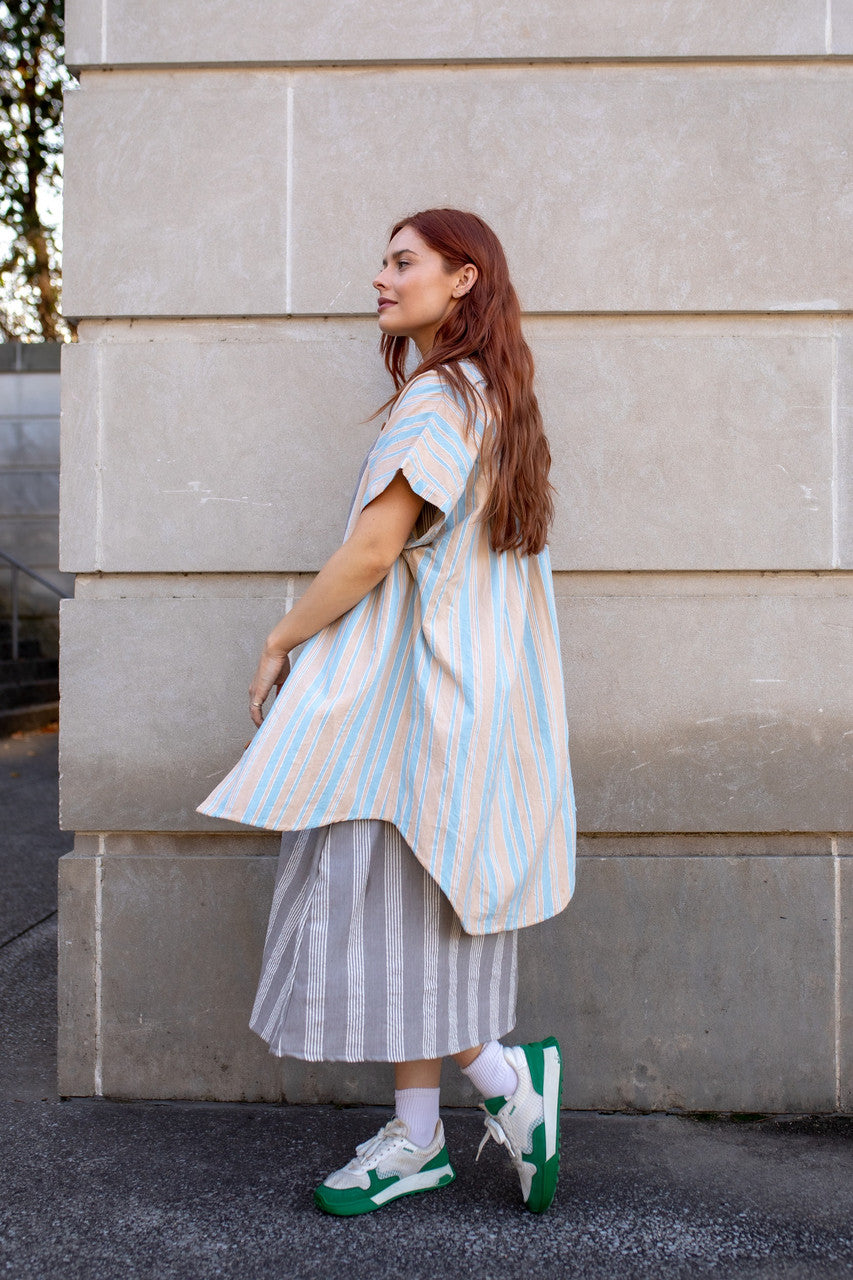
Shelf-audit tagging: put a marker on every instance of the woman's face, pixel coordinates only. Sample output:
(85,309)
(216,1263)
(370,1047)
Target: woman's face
(416,291)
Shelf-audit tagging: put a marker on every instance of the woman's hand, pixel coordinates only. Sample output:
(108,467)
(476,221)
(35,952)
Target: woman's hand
(273,669)
(379,535)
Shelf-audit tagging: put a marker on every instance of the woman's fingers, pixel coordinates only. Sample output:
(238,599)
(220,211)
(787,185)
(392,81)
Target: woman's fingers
(271,672)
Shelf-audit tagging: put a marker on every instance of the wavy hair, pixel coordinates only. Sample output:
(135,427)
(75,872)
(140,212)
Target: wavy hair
(485,328)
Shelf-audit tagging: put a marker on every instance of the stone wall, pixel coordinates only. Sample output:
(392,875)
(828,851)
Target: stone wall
(673,187)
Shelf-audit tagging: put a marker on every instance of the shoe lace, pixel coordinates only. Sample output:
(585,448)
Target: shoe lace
(371,1152)
(496,1131)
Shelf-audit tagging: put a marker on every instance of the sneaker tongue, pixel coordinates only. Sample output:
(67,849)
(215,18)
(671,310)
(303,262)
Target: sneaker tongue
(493,1105)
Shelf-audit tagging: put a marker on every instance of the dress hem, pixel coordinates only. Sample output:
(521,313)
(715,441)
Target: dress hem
(441,1053)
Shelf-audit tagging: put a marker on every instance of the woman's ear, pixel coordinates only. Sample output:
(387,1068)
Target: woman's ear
(465,280)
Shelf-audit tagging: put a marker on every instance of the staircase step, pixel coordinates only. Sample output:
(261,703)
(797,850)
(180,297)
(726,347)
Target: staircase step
(21,719)
(27,669)
(32,693)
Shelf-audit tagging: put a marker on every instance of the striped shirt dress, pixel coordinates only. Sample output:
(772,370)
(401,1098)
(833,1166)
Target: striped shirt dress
(416,762)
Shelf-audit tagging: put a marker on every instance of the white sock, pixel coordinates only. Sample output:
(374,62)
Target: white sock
(418,1108)
(491,1073)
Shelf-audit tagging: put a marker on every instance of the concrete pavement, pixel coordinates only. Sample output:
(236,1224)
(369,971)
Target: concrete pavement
(95,1189)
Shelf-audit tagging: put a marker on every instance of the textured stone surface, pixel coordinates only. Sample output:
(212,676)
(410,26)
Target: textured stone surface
(841,28)
(699,445)
(78,976)
(119,31)
(703,188)
(193,928)
(843,466)
(693,711)
(236,842)
(142,753)
(633,188)
(696,983)
(716,435)
(152,226)
(81,505)
(225,465)
(660,999)
(845,976)
(688,712)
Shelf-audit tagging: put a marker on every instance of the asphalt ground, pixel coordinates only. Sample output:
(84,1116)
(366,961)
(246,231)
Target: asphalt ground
(93,1188)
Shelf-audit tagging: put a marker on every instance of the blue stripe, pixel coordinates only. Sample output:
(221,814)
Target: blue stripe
(378,705)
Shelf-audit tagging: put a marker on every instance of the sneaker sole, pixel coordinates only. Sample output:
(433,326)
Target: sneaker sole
(428,1180)
(546,1071)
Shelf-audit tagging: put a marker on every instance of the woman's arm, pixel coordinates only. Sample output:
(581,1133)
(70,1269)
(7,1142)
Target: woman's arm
(355,568)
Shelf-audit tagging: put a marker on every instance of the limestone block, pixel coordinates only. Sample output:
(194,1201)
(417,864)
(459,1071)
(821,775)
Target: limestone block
(158,739)
(175,195)
(677,444)
(224,461)
(120,31)
(716,709)
(659,189)
(844,850)
(709,712)
(632,188)
(28,441)
(688,445)
(673,982)
(31,395)
(77,1045)
(81,505)
(843,552)
(841,28)
(181,941)
(689,983)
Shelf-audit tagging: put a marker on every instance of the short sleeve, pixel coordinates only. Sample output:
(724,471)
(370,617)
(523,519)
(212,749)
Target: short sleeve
(425,439)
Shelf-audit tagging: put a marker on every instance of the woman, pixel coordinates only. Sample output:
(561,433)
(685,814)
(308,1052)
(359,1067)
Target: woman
(416,755)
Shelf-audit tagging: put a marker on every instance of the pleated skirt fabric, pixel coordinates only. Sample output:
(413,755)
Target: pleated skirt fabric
(366,961)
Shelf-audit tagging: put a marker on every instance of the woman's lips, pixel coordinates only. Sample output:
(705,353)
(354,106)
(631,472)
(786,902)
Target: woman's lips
(385,302)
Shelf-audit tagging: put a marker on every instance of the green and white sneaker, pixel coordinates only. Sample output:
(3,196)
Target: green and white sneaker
(383,1169)
(528,1123)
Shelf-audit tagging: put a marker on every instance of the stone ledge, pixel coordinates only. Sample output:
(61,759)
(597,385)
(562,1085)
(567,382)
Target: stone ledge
(119,32)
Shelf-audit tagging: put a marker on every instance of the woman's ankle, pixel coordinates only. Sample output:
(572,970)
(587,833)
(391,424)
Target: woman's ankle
(418,1109)
(490,1072)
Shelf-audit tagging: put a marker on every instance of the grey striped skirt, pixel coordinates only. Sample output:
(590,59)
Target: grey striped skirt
(366,961)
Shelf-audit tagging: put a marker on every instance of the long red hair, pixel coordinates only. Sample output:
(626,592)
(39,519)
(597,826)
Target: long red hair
(485,328)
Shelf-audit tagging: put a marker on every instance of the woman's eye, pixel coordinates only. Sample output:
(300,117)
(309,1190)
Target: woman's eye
(403,263)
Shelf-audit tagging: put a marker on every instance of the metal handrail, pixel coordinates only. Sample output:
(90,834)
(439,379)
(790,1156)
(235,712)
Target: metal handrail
(17,568)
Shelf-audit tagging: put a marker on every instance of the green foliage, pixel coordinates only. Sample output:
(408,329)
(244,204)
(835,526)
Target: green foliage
(32,77)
